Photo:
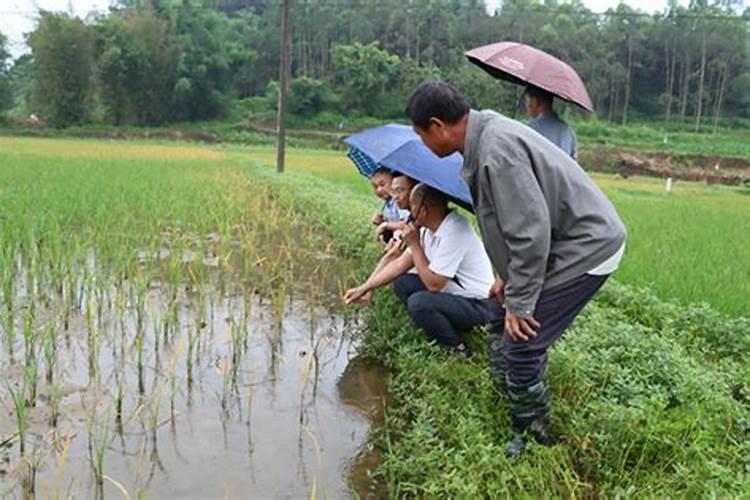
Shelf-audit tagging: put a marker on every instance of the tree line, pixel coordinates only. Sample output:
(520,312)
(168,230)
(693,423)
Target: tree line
(151,62)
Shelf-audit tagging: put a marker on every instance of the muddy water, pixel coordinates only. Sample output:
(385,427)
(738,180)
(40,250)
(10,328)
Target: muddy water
(272,405)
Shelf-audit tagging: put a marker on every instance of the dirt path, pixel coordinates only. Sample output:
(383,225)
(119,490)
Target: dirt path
(711,169)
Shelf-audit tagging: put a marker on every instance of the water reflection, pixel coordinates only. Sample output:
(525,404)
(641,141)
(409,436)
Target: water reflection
(226,398)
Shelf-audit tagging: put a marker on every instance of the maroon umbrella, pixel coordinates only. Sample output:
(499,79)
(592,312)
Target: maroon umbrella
(523,64)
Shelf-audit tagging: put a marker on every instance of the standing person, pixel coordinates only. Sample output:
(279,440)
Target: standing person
(545,121)
(551,234)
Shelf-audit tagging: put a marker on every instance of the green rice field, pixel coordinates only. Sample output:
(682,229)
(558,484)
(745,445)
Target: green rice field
(171,324)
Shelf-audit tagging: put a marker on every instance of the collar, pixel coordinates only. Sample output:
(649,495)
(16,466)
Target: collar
(442,228)
(474,128)
(546,115)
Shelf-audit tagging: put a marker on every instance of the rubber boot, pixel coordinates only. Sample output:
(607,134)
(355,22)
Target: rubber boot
(529,410)
(497,364)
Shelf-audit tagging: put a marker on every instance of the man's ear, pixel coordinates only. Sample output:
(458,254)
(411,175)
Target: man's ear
(437,122)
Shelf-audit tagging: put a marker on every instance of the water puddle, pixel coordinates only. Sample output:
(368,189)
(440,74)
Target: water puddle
(363,387)
(194,395)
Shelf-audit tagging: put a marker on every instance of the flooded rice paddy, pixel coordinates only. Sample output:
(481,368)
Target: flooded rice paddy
(168,392)
(169,328)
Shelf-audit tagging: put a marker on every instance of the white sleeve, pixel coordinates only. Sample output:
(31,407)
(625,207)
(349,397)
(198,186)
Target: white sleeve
(448,255)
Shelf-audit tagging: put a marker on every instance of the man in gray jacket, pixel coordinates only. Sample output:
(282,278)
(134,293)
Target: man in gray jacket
(551,234)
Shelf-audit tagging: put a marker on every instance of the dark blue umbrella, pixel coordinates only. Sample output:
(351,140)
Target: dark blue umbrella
(399,148)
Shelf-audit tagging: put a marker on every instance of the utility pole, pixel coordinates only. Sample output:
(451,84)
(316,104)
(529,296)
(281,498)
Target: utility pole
(284,71)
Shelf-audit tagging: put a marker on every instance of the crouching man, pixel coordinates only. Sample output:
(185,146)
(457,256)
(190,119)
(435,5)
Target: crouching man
(447,295)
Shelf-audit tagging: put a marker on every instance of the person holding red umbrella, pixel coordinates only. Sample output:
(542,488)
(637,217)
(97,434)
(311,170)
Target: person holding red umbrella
(545,121)
(552,236)
(545,78)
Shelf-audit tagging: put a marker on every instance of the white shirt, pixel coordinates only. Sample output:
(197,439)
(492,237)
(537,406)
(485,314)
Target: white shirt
(455,251)
(610,265)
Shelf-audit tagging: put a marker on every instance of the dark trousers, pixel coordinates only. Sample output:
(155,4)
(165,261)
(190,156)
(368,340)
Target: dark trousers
(523,364)
(443,316)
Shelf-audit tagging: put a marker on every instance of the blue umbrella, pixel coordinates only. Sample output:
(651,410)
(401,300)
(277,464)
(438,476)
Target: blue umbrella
(399,148)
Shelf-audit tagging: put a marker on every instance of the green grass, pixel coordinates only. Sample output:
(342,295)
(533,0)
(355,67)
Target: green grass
(692,244)
(654,136)
(641,410)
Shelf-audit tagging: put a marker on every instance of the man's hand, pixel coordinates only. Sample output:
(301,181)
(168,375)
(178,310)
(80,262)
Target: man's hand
(520,329)
(497,290)
(410,235)
(366,298)
(393,248)
(377,219)
(357,294)
(379,232)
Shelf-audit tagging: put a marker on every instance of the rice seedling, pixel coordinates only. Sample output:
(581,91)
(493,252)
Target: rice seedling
(31,368)
(53,402)
(119,396)
(61,463)
(8,279)
(18,396)
(236,343)
(92,337)
(99,439)
(50,349)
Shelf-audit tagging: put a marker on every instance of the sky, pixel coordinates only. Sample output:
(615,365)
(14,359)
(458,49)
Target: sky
(17,16)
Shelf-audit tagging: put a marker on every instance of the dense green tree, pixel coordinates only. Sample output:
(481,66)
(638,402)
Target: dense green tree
(308,97)
(21,77)
(137,59)
(158,60)
(363,72)
(6,95)
(63,54)
(211,50)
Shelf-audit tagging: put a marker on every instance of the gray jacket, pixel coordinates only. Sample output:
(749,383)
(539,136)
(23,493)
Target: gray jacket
(543,220)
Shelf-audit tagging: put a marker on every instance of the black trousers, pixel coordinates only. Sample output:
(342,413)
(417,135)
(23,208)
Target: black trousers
(443,316)
(523,363)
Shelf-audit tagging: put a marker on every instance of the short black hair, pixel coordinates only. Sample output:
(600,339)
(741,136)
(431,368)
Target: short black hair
(539,94)
(382,170)
(435,99)
(429,196)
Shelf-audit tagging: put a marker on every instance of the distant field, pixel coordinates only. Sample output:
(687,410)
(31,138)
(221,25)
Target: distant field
(679,139)
(676,139)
